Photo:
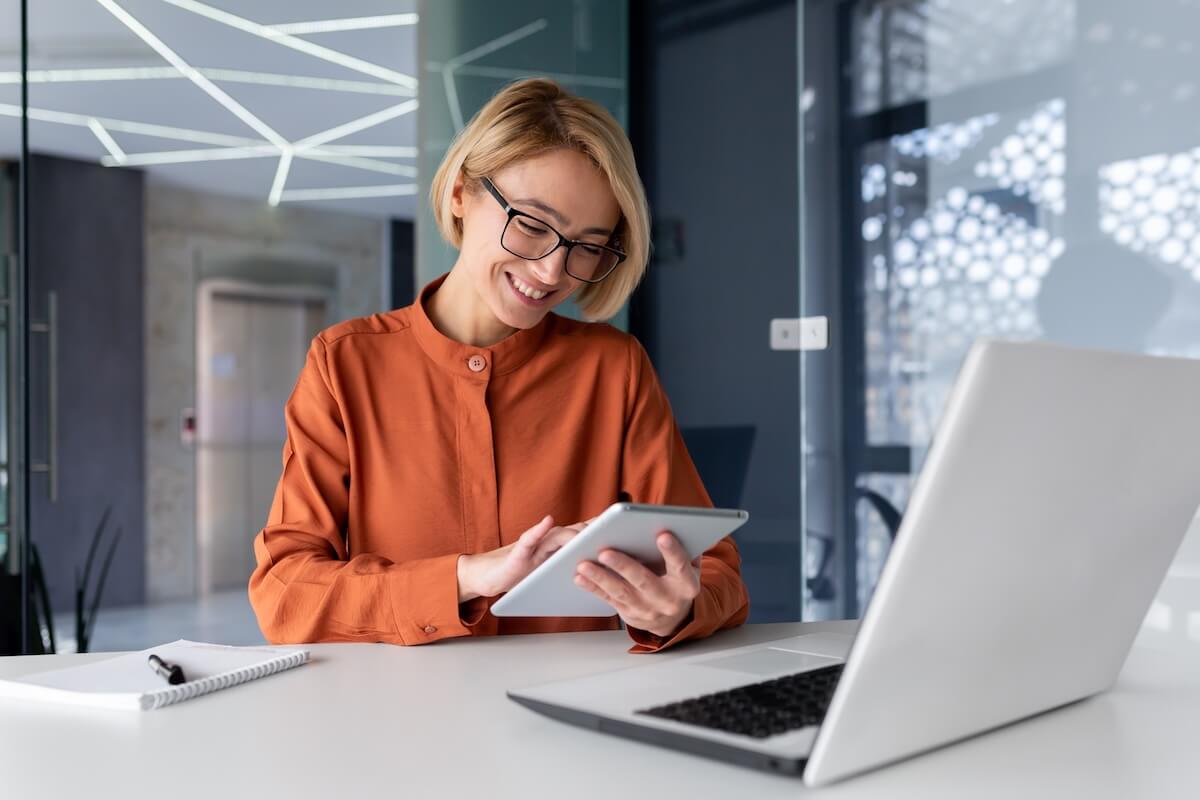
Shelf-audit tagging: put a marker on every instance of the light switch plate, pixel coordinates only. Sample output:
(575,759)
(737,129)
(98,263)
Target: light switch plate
(805,333)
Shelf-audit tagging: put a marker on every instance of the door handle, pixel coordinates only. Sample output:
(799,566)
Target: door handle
(50,329)
(805,333)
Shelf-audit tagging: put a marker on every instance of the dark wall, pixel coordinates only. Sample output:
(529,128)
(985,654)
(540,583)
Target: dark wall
(718,148)
(86,244)
(404,263)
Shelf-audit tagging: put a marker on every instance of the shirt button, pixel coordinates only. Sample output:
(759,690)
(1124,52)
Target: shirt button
(430,629)
(476,363)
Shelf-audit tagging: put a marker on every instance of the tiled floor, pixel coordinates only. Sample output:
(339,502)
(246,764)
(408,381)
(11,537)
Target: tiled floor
(223,618)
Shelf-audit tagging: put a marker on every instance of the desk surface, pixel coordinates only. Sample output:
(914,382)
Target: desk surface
(426,722)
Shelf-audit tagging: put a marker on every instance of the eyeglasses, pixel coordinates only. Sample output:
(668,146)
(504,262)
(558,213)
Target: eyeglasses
(528,237)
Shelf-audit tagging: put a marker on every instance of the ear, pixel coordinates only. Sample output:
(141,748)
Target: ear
(458,205)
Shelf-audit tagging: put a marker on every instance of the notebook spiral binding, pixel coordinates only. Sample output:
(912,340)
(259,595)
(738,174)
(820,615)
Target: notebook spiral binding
(196,688)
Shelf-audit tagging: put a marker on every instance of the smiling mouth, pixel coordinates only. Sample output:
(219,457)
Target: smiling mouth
(527,292)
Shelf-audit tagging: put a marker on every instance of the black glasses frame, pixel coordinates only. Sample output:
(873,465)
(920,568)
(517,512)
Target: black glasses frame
(562,240)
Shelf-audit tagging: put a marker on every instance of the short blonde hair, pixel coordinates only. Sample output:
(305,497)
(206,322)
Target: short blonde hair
(533,116)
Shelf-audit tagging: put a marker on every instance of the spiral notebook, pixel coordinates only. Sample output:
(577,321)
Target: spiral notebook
(128,681)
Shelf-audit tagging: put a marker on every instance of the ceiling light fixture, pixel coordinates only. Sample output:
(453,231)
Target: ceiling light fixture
(349,192)
(357,125)
(214,91)
(192,156)
(259,151)
(287,40)
(361,163)
(216,74)
(281,176)
(378,151)
(110,144)
(127,126)
(346,24)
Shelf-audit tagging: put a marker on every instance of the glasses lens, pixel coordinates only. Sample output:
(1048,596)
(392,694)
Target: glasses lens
(527,238)
(590,263)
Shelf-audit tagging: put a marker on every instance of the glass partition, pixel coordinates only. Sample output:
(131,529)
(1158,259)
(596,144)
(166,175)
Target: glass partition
(211,184)
(1015,169)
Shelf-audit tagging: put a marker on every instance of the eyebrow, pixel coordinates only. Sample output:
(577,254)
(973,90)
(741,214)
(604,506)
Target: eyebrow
(559,218)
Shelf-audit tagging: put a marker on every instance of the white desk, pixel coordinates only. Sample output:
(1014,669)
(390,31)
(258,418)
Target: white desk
(429,722)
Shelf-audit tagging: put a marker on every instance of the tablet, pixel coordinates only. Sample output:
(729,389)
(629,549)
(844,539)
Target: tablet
(550,590)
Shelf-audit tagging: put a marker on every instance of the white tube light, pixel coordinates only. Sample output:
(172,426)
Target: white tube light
(281,176)
(349,192)
(346,24)
(287,40)
(110,144)
(260,151)
(214,91)
(216,74)
(361,163)
(372,150)
(127,126)
(356,125)
(194,156)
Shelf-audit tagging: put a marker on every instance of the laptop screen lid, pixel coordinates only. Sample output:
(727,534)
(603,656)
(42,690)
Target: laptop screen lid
(1058,488)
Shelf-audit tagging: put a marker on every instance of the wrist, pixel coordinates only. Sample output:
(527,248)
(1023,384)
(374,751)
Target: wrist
(466,586)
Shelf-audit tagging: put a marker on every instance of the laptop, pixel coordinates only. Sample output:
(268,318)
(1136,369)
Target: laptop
(1054,497)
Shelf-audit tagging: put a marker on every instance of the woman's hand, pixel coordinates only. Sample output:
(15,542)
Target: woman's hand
(655,603)
(495,572)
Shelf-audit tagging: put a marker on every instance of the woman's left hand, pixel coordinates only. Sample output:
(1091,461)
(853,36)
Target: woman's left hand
(655,603)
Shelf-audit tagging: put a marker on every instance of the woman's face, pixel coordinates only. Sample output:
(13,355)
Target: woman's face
(563,189)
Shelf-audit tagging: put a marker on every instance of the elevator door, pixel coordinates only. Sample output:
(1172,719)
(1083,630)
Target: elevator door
(251,345)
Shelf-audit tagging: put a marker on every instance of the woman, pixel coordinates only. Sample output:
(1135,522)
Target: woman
(423,443)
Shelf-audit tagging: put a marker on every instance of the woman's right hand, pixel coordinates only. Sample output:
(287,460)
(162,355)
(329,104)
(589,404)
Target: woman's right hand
(495,572)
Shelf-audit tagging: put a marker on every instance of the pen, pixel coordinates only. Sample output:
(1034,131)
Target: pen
(171,673)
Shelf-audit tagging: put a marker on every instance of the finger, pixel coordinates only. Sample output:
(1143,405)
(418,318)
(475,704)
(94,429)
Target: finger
(553,542)
(674,555)
(589,586)
(635,573)
(614,585)
(529,540)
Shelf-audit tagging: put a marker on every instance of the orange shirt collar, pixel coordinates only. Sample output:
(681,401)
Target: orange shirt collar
(505,356)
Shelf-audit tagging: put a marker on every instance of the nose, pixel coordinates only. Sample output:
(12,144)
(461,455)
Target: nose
(549,269)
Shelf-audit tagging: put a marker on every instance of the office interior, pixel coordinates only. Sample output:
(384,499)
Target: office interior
(190,190)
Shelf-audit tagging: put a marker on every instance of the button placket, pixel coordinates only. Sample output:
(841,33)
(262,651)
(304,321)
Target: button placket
(478,460)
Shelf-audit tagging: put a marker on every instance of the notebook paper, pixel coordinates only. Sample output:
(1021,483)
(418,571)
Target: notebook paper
(128,681)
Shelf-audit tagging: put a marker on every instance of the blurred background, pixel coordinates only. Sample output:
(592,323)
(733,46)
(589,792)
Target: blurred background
(190,190)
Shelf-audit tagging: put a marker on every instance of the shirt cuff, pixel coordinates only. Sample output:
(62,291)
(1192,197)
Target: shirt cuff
(425,602)
(646,642)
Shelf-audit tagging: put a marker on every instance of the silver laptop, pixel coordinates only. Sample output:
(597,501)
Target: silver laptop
(1057,490)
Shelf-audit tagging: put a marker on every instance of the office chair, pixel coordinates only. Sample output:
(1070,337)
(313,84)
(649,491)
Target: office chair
(722,457)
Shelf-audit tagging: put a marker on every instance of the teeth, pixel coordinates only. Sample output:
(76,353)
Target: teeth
(526,289)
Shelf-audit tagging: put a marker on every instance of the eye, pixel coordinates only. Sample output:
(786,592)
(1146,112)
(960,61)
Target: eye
(530,227)
(591,250)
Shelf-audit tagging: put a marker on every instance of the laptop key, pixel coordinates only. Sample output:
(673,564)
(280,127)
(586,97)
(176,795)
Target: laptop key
(759,710)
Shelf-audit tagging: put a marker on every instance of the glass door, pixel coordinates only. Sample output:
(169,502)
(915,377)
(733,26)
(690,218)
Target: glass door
(1020,169)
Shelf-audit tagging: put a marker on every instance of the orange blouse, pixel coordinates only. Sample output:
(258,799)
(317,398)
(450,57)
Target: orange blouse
(406,449)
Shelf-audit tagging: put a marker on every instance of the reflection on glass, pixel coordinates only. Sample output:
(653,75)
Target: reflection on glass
(874,536)
(909,50)
(1052,192)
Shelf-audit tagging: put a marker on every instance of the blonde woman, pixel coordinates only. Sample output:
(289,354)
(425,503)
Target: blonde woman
(437,453)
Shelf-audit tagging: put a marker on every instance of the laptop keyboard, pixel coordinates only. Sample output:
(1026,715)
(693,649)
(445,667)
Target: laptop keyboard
(760,709)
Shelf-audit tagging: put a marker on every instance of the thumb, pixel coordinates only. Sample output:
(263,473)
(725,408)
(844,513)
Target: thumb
(529,539)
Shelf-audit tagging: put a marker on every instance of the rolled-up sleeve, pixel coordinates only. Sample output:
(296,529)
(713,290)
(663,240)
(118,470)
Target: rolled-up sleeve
(305,586)
(657,469)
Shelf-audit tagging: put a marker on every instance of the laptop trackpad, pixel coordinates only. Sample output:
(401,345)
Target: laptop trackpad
(767,661)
